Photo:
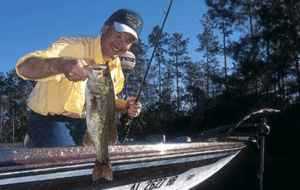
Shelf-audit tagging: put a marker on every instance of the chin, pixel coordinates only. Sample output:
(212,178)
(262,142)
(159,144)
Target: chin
(112,57)
(118,55)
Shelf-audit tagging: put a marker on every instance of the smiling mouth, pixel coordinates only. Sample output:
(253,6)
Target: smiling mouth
(115,48)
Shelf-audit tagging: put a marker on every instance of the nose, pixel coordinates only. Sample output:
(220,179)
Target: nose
(120,41)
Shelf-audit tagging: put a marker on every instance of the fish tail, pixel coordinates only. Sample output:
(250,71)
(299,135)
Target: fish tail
(102,170)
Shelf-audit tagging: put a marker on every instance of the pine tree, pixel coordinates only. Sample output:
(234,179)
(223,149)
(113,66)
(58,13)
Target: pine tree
(222,15)
(159,58)
(2,98)
(14,109)
(281,23)
(177,51)
(14,112)
(209,45)
(194,85)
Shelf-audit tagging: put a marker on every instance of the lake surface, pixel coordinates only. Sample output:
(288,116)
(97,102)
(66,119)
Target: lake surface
(281,173)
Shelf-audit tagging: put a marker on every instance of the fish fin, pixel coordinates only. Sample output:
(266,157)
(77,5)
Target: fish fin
(102,170)
(87,141)
(113,136)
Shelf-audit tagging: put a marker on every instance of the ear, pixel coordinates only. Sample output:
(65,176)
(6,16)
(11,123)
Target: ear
(105,29)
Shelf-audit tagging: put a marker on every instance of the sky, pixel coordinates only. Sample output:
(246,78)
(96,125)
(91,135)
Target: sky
(27,26)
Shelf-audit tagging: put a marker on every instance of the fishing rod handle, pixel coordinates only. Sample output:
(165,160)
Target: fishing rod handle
(126,119)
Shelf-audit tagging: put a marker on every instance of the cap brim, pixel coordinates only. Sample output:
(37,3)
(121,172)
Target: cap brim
(124,28)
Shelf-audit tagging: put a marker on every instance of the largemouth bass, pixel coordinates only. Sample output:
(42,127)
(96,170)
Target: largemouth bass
(100,118)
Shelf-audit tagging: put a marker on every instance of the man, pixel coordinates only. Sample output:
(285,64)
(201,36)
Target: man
(57,101)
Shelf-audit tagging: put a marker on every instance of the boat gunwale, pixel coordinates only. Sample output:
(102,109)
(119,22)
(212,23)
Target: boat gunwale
(39,162)
(116,152)
(184,154)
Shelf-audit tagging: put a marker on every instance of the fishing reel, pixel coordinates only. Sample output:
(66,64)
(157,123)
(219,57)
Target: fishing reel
(125,119)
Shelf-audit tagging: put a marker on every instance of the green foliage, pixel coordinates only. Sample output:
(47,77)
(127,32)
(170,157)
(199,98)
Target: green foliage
(14,112)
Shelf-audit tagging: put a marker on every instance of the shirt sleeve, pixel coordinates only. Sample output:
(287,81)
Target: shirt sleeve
(61,48)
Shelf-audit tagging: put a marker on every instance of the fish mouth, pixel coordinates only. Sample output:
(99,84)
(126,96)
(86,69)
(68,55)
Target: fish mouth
(99,67)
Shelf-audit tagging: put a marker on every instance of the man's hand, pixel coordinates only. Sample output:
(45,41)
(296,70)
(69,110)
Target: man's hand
(75,69)
(134,109)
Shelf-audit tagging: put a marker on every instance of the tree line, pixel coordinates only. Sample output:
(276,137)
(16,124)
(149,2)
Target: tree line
(185,96)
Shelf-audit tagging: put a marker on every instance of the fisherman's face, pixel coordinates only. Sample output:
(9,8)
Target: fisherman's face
(114,43)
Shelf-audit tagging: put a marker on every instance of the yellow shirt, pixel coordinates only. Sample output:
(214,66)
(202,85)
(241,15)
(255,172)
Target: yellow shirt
(56,94)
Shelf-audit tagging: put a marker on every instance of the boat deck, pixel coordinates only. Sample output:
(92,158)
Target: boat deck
(162,165)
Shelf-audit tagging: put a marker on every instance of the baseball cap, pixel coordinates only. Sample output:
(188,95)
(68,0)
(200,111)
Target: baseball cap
(126,20)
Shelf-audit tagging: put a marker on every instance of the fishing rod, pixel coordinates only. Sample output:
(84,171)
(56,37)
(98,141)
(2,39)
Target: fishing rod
(128,119)
(156,45)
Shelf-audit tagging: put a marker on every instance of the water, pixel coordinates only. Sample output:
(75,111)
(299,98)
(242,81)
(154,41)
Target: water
(238,174)
(281,173)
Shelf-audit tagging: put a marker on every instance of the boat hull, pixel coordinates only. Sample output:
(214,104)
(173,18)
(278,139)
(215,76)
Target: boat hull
(143,166)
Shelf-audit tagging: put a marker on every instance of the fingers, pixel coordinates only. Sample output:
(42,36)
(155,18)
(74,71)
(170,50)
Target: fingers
(134,109)
(75,69)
